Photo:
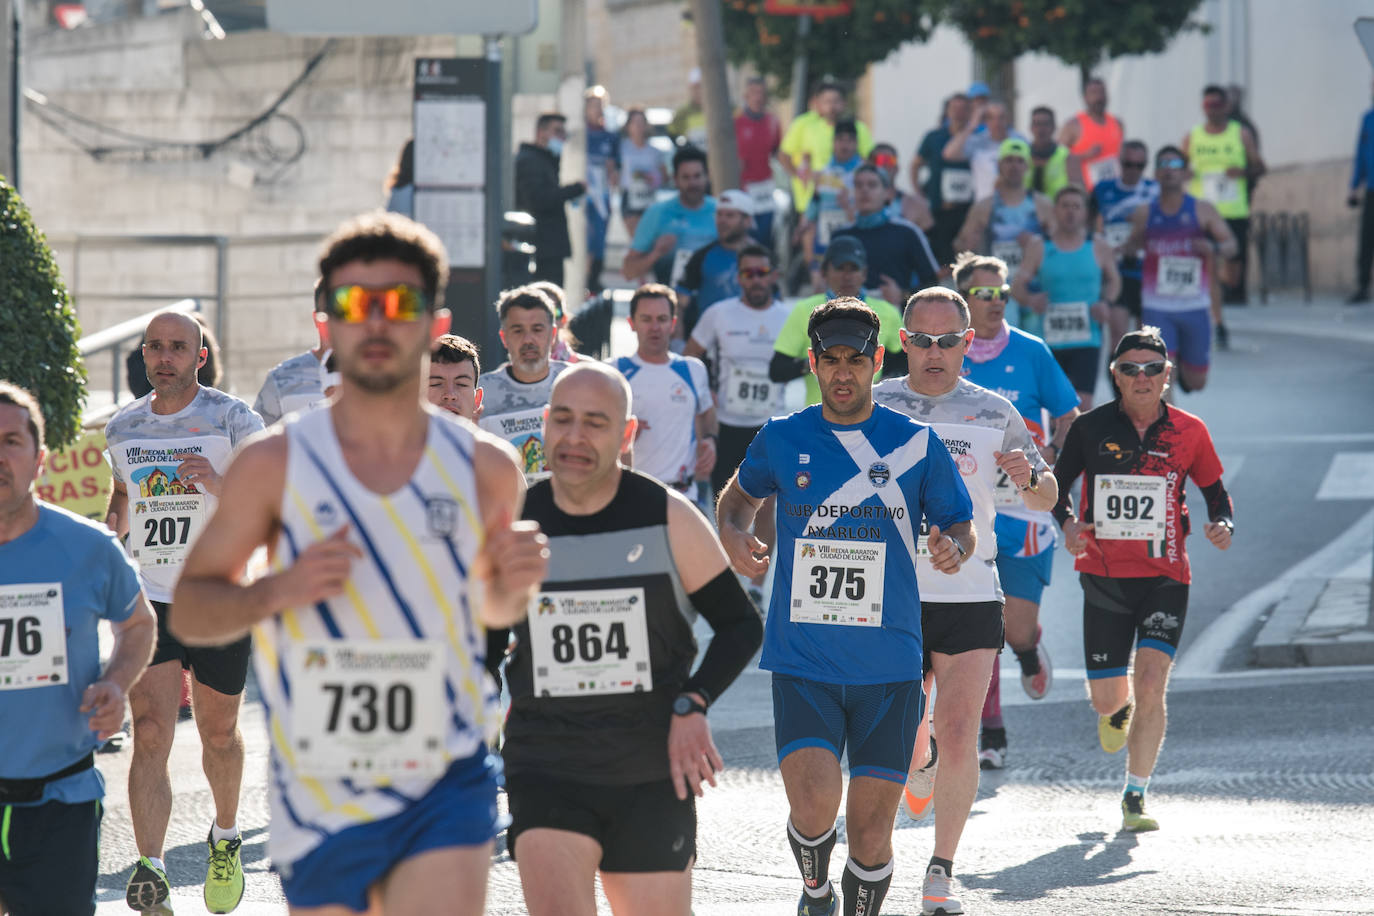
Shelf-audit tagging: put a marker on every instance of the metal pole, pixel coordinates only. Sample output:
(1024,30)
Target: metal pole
(490,339)
(721,150)
(222,306)
(799,66)
(12,27)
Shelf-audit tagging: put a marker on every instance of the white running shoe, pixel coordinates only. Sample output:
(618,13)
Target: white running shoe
(937,895)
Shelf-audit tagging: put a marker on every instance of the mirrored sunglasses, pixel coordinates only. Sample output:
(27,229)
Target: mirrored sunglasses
(945,341)
(753,273)
(1131,370)
(353,304)
(988,293)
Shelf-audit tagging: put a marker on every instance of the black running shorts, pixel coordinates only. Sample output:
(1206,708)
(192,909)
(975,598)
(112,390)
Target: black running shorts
(223,669)
(641,828)
(51,857)
(1147,612)
(954,627)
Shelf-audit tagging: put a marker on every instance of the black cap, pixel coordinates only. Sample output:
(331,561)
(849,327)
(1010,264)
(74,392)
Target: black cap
(1144,339)
(845,332)
(845,249)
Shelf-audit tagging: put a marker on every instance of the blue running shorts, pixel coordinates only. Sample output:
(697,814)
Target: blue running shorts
(1025,577)
(876,722)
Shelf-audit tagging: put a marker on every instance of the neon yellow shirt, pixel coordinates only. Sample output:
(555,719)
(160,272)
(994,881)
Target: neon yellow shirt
(792,340)
(812,136)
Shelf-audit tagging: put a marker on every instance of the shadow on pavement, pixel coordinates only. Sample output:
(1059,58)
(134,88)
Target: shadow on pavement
(1093,861)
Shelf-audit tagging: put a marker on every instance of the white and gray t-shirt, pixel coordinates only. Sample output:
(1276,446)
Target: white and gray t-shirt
(739,340)
(973,422)
(291,385)
(167,514)
(514,411)
(667,399)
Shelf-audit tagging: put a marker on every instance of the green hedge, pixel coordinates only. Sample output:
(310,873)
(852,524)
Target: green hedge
(38,327)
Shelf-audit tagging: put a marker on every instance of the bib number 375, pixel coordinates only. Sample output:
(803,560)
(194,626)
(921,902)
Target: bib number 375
(838,582)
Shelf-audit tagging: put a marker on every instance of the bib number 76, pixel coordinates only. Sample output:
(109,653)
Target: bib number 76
(830,581)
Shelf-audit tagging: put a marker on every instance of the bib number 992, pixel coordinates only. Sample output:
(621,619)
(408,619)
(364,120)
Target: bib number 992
(1130,507)
(830,581)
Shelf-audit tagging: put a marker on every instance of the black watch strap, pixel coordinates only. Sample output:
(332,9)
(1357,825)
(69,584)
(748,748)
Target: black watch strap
(685,705)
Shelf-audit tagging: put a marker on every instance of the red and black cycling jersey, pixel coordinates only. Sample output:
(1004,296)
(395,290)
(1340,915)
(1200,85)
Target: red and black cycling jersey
(1176,446)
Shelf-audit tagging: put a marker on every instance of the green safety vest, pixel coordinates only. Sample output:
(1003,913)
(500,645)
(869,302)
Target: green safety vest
(1055,173)
(1212,155)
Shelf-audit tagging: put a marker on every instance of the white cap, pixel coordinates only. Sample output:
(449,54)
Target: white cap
(694,76)
(735,199)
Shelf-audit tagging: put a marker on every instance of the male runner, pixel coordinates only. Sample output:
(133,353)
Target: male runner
(60,575)
(711,273)
(515,392)
(1052,165)
(843,634)
(737,338)
(1076,275)
(961,615)
(843,269)
(1224,158)
(675,438)
(392,547)
(758,134)
(671,230)
(808,143)
(832,204)
(1094,136)
(169,450)
(1135,454)
(980,143)
(1114,202)
(607,741)
(293,384)
(1183,238)
(1003,224)
(1022,369)
(899,255)
(454,367)
(949,183)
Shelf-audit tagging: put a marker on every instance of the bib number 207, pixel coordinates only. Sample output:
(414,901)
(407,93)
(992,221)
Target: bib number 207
(166,531)
(588,645)
(369,706)
(831,581)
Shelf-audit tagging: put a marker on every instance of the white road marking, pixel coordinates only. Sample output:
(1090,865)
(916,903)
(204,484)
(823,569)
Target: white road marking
(1204,657)
(1350,476)
(1298,439)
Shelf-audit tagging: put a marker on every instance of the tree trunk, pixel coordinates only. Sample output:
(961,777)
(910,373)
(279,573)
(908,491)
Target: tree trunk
(9,90)
(722,153)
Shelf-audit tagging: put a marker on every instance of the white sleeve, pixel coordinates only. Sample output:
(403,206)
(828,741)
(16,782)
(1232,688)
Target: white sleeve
(702,382)
(704,334)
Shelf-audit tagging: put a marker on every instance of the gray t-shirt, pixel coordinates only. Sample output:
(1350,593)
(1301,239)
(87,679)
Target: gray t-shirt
(514,411)
(291,385)
(166,514)
(973,422)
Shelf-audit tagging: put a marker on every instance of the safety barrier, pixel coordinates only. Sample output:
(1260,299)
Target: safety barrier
(1281,243)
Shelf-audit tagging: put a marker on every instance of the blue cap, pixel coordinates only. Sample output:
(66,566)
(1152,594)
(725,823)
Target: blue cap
(978,90)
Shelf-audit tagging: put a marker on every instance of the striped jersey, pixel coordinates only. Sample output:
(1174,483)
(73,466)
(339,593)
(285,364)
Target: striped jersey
(335,667)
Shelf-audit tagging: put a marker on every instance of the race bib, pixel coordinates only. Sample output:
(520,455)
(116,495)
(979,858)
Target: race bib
(163,528)
(1068,323)
(1008,250)
(828,223)
(1129,507)
(838,582)
(33,636)
(368,709)
(956,186)
(1179,277)
(1005,494)
(640,194)
(1104,169)
(680,259)
(761,193)
(750,393)
(590,643)
(1117,233)
(523,429)
(1220,188)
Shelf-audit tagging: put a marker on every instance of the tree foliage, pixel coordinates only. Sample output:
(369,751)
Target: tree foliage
(38,327)
(841,47)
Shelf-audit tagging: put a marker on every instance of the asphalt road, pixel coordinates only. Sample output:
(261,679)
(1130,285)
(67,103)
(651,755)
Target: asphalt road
(1265,788)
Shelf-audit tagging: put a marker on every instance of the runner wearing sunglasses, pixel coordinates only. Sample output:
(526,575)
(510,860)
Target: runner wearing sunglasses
(1184,239)
(1135,454)
(1114,202)
(961,615)
(1022,369)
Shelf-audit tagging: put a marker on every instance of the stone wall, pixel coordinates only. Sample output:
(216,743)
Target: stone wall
(1318,189)
(159,78)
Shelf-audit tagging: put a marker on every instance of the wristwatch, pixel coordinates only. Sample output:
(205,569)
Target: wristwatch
(685,705)
(1034,481)
(963,554)
(1229,525)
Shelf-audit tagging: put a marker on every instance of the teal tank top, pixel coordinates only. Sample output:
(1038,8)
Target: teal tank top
(1073,280)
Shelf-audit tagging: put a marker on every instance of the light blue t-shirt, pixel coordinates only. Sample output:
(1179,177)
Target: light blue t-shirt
(693,228)
(850,494)
(44,732)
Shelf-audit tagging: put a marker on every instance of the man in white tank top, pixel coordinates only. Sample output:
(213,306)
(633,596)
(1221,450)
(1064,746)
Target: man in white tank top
(393,547)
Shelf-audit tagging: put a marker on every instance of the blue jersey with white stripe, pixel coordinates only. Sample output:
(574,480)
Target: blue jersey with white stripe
(868,482)
(411,584)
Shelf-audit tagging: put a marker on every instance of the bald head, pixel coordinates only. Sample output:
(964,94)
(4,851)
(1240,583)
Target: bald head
(170,325)
(597,381)
(173,350)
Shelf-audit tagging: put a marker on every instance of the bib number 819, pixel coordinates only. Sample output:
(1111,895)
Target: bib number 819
(399,712)
(848,579)
(1130,507)
(588,646)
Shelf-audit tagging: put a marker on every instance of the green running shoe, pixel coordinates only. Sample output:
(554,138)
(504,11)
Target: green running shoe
(147,887)
(224,879)
(1133,816)
(810,906)
(1111,730)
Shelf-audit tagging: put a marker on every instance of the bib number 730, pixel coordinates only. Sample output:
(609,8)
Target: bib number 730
(396,710)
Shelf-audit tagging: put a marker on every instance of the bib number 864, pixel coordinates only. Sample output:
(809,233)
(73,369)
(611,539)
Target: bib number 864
(398,713)
(1130,507)
(588,646)
(848,579)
